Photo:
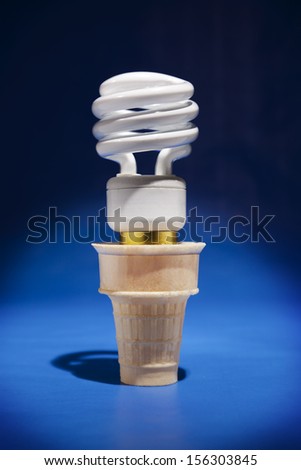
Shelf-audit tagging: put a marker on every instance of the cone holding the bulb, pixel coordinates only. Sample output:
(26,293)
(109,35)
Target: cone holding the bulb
(149,286)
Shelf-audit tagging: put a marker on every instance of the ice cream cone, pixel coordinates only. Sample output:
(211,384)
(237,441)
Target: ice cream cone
(149,286)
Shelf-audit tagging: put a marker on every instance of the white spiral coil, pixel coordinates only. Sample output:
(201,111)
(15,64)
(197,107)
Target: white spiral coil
(143,111)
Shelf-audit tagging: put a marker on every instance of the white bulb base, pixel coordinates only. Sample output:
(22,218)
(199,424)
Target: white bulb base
(146,203)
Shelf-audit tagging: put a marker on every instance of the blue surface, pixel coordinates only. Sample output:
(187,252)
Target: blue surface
(240,376)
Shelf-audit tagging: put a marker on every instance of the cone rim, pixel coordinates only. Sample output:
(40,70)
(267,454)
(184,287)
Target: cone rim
(184,248)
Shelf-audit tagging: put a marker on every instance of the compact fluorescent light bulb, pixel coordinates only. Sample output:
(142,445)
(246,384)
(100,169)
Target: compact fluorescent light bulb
(148,275)
(138,112)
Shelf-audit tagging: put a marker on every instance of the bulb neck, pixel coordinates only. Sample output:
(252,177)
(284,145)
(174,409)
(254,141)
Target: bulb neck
(148,238)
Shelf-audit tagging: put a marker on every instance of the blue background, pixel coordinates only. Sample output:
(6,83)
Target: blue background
(240,376)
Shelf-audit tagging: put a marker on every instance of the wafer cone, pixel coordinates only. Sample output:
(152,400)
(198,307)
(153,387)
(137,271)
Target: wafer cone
(149,286)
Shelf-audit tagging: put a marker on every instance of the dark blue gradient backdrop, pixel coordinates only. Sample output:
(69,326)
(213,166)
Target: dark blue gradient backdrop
(240,375)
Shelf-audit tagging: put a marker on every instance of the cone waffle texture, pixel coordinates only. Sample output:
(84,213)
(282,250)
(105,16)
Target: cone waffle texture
(149,287)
